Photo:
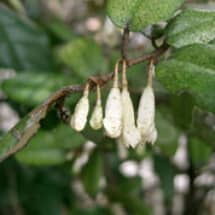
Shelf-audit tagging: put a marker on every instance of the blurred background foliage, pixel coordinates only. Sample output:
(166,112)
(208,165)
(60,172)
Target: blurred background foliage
(45,45)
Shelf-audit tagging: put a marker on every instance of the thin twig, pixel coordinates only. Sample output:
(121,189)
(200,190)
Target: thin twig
(125,40)
(157,53)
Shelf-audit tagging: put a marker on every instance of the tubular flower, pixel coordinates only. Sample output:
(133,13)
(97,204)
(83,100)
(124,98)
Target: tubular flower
(130,134)
(79,117)
(113,110)
(146,112)
(96,120)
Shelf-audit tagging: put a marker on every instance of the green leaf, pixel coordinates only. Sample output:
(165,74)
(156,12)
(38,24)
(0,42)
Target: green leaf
(92,172)
(191,26)
(34,87)
(177,102)
(191,69)
(42,191)
(18,137)
(41,157)
(202,127)
(132,203)
(61,137)
(130,185)
(84,57)
(60,30)
(166,172)
(23,45)
(200,152)
(92,211)
(21,133)
(49,147)
(140,13)
(167,135)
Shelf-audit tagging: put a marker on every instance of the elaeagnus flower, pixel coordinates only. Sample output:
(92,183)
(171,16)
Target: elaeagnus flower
(96,120)
(113,110)
(130,134)
(146,111)
(79,117)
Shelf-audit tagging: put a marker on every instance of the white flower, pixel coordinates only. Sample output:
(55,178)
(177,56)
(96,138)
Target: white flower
(146,113)
(113,110)
(79,117)
(96,120)
(113,114)
(130,134)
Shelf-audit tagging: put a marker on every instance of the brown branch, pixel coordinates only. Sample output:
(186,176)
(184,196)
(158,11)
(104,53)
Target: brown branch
(155,55)
(124,45)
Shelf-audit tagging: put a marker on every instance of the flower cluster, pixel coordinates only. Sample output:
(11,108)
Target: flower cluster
(119,115)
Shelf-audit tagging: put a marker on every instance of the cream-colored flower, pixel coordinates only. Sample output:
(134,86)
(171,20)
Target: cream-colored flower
(146,112)
(130,134)
(113,110)
(96,120)
(79,117)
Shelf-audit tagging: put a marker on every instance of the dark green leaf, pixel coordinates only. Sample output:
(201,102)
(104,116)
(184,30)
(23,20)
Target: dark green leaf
(130,185)
(84,56)
(23,46)
(167,135)
(61,137)
(166,172)
(140,13)
(60,30)
(179,109)
(19,136)
(92,172)
(49,147)
(92,211)
(203,126)
(191,69)
(41,157)
(200,152)
(191,26)
(132,203)
(34,87)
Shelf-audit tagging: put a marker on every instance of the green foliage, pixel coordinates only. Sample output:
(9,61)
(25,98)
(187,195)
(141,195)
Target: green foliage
(48,149)
(39,179)
(200,152)
(40,86)
(167,144)
(191,26)
(92,172)
(82,55)
(177,102)
(138,14)
(191,69)
(39,157)
(166,173)
(23,45)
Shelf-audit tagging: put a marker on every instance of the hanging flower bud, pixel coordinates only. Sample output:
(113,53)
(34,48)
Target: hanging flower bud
(113,110)
(79,117)
(130,134)
(96,120)
(146,111)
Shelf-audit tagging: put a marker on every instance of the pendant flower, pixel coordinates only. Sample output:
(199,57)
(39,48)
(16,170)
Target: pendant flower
(146,111)
(96,120)
(113,110)
(79,118)
(130,134)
